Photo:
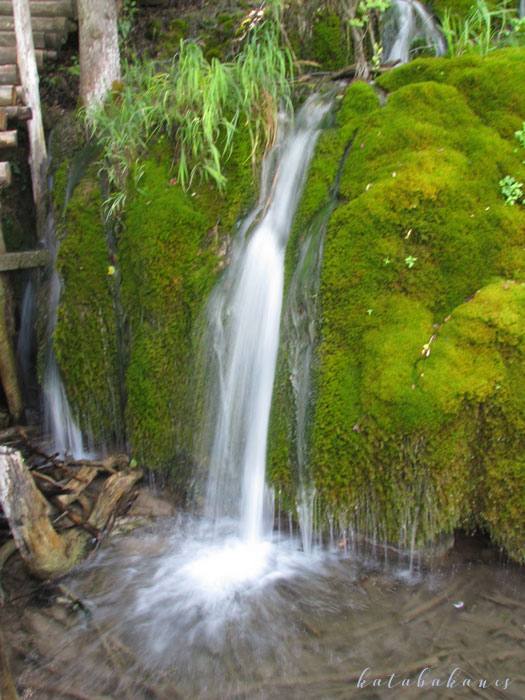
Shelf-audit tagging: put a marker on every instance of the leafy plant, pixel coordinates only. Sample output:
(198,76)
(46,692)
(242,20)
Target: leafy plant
(125,22)
(484,28)
(201,103)
(410,261)
(511,189)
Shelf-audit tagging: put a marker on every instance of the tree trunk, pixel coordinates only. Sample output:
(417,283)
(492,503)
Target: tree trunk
(362,69)
(98,49)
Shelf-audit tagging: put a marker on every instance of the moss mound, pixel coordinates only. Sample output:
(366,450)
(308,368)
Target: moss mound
(85,336)
(418,416)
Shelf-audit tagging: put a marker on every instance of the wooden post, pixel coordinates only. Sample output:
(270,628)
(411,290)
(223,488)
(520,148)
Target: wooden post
(8,372)
(29,78)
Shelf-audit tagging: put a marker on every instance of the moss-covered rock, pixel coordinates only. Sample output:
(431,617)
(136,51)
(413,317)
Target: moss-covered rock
(85,338)
(418,416)
(170,251)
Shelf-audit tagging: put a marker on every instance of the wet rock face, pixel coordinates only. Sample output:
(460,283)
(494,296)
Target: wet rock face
(418,415)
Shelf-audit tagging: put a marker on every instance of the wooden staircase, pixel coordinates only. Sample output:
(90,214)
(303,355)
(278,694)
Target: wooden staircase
(49,23)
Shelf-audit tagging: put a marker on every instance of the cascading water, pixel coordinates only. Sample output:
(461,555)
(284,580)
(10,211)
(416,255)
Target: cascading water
(59,421)
(245,317)
(406,22)
(207,574)
(300,324)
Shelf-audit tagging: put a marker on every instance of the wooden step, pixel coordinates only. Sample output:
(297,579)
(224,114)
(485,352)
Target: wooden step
(8,55)
(60,25)
(9,139)
(7,39)
(5,174)
(42,8)
(19,113)
(23,260)
(9,75)
(7,95)
(3,118)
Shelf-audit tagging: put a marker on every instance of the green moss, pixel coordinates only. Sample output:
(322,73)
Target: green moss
(475,78)
(419,406)
(85,335)
(169,41)
(170,252)
(327,41)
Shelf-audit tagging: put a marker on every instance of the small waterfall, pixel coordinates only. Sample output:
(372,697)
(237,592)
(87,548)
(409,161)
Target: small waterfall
(59,421)
(26,335)
(522,8)
(243,334)
(405,22)
(300,318)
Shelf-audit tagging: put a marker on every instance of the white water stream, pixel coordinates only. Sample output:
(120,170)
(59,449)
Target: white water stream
(245,315)
(408,21)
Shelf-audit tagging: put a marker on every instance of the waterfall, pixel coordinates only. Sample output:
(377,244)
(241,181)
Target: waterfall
(522,8)
(300,323)
(405,22)
(244,320)
(59,421)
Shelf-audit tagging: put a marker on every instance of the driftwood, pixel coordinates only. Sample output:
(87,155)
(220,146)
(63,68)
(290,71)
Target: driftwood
(45,553)
(50,550)
(116,488)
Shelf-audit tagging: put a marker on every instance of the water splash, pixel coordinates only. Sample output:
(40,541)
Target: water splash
(406,22)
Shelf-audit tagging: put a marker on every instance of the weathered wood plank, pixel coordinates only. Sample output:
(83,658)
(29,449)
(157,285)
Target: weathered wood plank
(7,95)
(9,139)
(19,112)
(23,260)
(7,39)
(3,118)
(8,75)
(41,8)
(39,24)
(5,174)
(8,55)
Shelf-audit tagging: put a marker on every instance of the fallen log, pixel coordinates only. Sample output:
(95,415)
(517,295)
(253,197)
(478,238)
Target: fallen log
(45,553)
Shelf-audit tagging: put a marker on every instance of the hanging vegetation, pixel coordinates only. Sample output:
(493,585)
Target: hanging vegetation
(200,105)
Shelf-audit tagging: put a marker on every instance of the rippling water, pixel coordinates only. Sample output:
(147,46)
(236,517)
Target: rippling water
(172,613)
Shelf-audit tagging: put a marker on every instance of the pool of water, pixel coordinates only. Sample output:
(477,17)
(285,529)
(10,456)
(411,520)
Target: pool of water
(181,612)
